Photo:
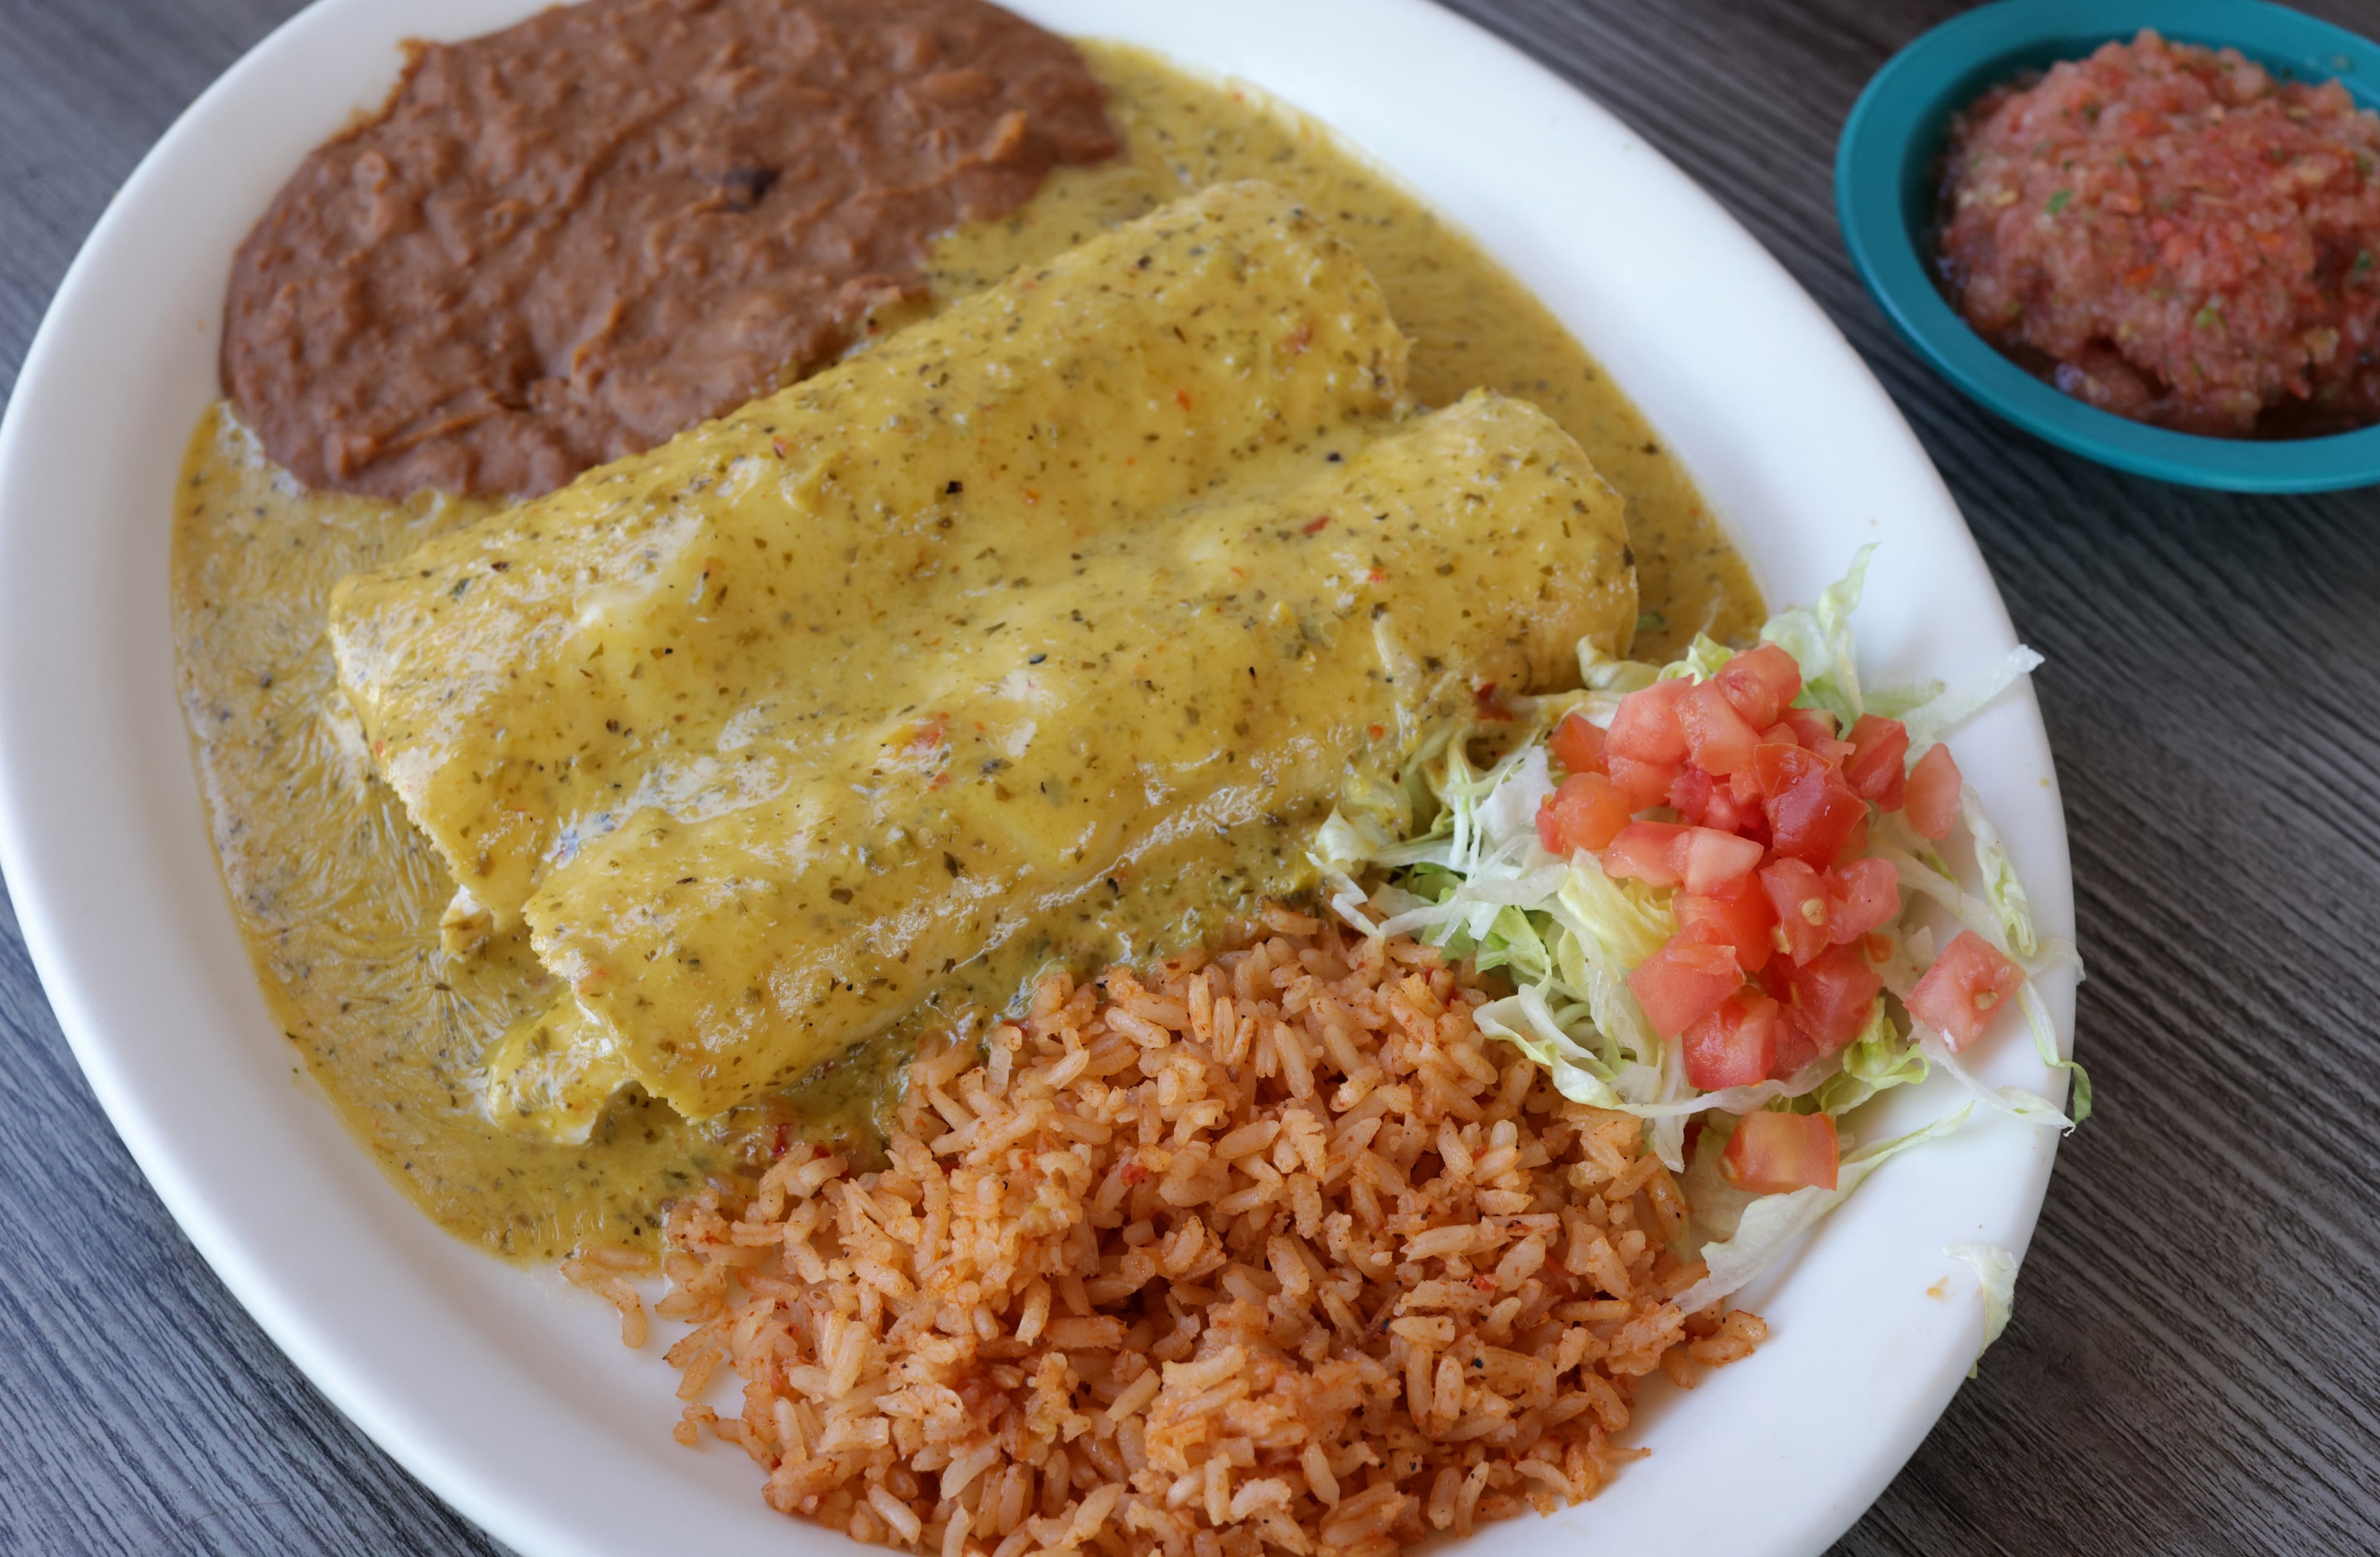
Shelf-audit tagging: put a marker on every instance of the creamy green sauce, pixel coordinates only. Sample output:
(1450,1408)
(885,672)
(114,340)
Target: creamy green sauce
(340,898)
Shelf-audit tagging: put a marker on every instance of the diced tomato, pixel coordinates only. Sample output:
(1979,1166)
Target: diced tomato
(1709,802)
(1650,851)
(1811,817)
(1745,785)
(1809,724)
(1794,1049)
(1772,1153)
(1578,746)
(1781,734)
(1585,813)
(1832,752)
(1777,767)
(1718,740)
(1854,843)
(1798,894)
(1690,797)
(1743,818)
(1761,683)
(1969,984)
(1645,784)
(1932,800)
(1646,728)
(1879,766)
(1735,1045)
(1712,858)
(1860,896)
(1683,982)
(1740,912)
(1832,995)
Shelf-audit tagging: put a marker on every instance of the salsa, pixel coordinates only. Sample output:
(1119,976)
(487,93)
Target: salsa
(2175,235)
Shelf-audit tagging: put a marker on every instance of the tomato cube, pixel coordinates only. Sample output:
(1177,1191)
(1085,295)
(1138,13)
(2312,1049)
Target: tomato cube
(1861,896)
(1735,1045)
(1739,912)
(1683,982)
(1772,1153)
(1855,847)
(1878,766)
(1646,728)
(1712,858)
(1762,683)
(1652,852)
(1645,784)
(1969,984)
(1812,817)
(1743,818)
(1809,724)
(1690,797)
(1798,894)
(1832,996)
(1932,798)
(1718,740)
(1778,768)
(1578,746)
(1794,1049)
(1585,813)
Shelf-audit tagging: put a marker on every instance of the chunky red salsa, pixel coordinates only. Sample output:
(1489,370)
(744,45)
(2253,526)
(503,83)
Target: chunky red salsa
(2175,235)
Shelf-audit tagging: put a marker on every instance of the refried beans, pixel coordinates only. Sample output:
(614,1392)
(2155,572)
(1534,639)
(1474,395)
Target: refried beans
(567,241)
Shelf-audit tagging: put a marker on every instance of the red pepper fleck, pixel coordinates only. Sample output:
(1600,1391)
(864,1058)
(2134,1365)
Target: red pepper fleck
(1315,527)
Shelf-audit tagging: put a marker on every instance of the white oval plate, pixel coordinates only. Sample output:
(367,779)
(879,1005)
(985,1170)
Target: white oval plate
(509,1395)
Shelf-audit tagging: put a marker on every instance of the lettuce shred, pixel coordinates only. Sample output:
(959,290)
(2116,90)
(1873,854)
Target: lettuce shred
(1450,854)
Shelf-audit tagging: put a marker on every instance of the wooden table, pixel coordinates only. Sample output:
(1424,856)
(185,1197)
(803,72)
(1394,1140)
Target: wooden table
(2195,1361)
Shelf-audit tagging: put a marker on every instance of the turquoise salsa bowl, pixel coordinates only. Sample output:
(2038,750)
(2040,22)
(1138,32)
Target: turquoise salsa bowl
(1885,185)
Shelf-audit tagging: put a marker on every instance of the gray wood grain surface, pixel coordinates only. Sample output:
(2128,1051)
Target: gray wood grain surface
(2195,1362)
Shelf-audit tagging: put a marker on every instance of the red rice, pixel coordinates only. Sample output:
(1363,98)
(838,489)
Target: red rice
(1274,1249)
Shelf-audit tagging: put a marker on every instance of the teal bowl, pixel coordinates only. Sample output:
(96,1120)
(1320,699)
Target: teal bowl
(1885,172)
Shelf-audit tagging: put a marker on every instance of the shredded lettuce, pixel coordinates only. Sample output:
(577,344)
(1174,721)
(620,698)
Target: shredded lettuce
(1996,1270)
(2001,889)
(1703,657)
(2029,1108)
(1931,719)
(1819,638)
(1877,1060)
(1608,673)
(1448,852)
